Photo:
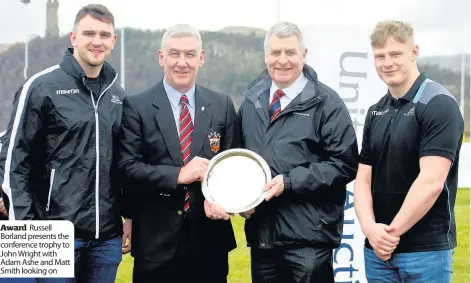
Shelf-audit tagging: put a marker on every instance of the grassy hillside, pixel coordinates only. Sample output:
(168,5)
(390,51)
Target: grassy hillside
(234,56)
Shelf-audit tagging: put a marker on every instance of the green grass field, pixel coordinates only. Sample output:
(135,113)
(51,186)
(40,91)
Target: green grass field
(462,252)
(240,260)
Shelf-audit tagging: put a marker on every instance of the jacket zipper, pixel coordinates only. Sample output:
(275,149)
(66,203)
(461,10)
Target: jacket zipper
(97,151)
(51,182)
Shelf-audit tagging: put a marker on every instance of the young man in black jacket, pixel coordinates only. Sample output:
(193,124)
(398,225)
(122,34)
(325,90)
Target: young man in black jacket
(57,160)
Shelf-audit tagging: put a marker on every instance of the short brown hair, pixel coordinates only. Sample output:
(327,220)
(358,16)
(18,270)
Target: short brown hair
(96,11)
(400,31)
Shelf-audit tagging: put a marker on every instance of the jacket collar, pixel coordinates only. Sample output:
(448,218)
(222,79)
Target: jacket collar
(263,83)
(70,65)
(410,94)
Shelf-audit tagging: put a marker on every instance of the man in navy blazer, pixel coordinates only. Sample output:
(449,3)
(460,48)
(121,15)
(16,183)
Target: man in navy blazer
(169,133)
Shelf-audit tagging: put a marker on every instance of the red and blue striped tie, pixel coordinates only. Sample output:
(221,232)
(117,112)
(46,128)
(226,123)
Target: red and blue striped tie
(186,137)
(275,105)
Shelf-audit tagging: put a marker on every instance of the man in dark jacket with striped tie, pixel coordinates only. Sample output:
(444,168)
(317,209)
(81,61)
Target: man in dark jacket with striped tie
(303,130)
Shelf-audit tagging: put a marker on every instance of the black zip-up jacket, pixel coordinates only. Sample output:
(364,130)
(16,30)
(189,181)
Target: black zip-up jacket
(311,143)
(57,156)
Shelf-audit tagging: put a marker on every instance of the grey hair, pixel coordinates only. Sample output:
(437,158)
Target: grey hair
(282,30)
(181,30)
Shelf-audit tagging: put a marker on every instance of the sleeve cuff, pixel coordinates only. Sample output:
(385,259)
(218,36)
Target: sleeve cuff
(287,183)
(366,161)
(174,185)
(437,152)
(126,211)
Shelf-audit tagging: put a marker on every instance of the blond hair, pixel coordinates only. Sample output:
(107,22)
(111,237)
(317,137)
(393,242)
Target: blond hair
(400,31)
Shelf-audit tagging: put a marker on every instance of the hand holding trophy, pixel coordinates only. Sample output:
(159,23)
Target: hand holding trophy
(235,180)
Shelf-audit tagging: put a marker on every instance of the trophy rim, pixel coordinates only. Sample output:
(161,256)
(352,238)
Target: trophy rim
(227,154)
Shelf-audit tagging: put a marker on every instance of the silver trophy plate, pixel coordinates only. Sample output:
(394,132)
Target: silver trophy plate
(235,180)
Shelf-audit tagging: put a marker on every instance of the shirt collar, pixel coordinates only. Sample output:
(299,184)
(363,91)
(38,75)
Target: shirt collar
(410,94)
(294,89)
(174,95)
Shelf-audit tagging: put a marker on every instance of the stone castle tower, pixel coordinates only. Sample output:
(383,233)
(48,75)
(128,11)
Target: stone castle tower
(52,23)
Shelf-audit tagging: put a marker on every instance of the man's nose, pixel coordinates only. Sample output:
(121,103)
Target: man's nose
(283,59)
(388,61)
(97,40)
(181,60)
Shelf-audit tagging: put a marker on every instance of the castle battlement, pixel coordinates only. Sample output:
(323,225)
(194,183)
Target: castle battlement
(52,21)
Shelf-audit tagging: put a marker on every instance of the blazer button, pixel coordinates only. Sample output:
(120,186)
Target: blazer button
(179,212)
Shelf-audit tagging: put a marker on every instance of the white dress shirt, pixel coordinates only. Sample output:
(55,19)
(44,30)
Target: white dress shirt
(290,92)
(174,98)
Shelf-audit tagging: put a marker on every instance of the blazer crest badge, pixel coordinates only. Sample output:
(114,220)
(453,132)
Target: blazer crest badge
(214,141)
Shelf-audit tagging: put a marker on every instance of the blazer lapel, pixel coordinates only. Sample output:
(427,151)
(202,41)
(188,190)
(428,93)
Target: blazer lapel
(166,122)
(202,120)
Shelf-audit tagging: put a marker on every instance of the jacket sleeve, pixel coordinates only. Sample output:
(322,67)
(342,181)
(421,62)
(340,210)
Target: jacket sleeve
(19,144)
(239,125)
(340,151)
(127,199)
(232,137)
(131,164)
(4,198)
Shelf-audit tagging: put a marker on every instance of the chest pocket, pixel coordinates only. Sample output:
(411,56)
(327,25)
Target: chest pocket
(405,145)
(295,142)
(69,121)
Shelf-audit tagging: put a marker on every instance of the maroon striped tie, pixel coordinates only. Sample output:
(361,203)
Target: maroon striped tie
(186,137)
(275,105)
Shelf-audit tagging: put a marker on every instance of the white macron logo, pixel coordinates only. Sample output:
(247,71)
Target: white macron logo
(301,114)
(410,112)
(379,113)
(115,99)
(67,91)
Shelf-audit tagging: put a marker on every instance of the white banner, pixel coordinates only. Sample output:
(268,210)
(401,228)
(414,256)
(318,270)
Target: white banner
(343,60)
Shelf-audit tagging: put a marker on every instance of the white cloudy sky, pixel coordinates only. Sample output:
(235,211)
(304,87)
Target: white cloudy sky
(442,26)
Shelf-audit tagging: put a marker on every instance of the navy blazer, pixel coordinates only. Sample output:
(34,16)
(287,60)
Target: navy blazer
(150,159)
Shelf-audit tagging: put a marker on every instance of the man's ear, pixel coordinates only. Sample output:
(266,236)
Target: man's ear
(161,57)
(201,58)
(72,38)
(415,52)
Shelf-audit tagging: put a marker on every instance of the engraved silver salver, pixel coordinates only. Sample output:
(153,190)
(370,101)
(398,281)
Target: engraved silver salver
(235,180)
